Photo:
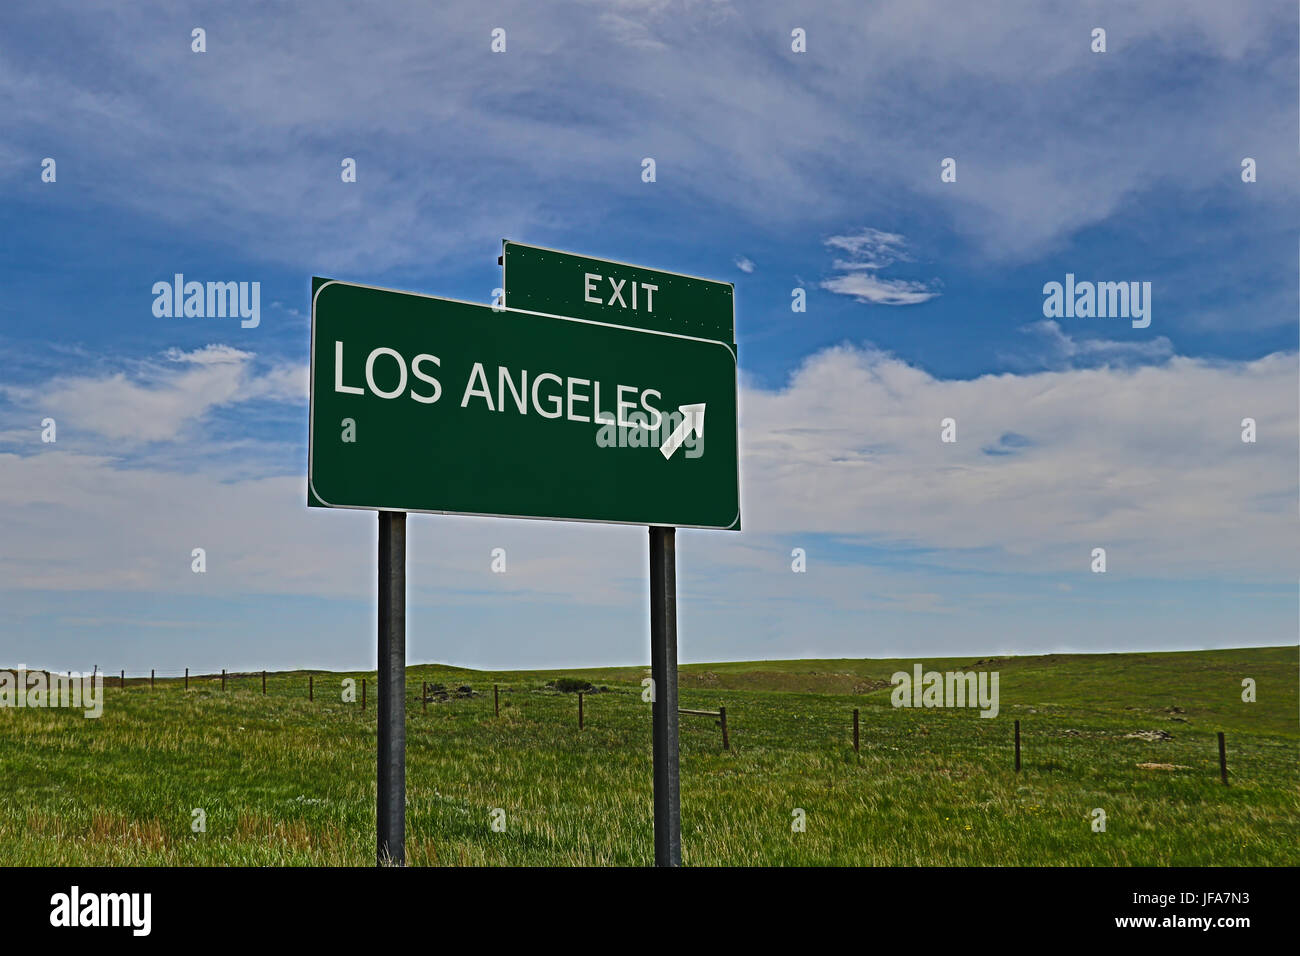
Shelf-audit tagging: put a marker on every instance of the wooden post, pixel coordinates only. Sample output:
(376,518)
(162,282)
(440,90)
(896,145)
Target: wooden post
(263,683)
(496,701)
(122,681)
(726,741)
(363,693)
(424,694)
(579,710)
(187,678)
(1017,746)
(855,730)
(151,678)
(1223,760)
(311,689)
(223,678)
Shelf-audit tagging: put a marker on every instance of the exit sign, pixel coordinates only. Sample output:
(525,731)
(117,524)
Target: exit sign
(543,280)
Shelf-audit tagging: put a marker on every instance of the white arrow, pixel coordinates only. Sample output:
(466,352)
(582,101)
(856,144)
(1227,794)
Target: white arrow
(692,421)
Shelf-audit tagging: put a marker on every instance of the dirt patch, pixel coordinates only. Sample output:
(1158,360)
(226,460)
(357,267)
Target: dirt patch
(866,685)
(573,685)
(1162,766)
(438,694)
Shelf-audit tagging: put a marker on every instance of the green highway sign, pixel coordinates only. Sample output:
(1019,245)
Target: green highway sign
(434,405)
(583,397)
(563,283)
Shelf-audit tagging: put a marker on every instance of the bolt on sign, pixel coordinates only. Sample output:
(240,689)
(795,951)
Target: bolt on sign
(434,405)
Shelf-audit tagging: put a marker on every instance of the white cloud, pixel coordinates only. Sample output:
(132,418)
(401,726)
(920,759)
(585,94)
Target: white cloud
(1147,462)
(87,522)
(550,125)
(208,355)
(284,383)
(163,397)
(630,32)
(745,264)
(867,288)
(869,250)
(1067,347)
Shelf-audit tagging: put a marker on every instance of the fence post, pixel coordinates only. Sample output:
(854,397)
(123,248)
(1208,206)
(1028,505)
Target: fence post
(496,701)
(1223,760)
(726,741)
(311,688)
(263,683)
(187,678)
(151,678)
(855,730)
(424,694)
(579,710)
(363,693)
(122,681)
(223,678)
(1017,746)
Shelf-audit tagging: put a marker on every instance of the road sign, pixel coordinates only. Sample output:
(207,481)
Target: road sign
(563,283)
(427,404)
(600,290)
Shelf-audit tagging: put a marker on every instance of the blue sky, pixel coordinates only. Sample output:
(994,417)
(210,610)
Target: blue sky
(775,170)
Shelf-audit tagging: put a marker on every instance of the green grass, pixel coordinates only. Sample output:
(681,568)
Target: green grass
(285,781)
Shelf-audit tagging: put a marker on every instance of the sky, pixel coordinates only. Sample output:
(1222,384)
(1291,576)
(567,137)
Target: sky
(777,170)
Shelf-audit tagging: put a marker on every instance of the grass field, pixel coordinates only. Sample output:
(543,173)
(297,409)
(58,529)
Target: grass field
(285,781)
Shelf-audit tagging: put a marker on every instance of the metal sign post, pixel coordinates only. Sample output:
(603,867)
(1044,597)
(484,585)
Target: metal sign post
(390,810)
(663,671)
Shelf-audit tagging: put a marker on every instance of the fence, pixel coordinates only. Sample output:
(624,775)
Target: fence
(1040,746)
(720,713)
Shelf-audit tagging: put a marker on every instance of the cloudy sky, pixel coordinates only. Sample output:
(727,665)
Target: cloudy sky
(777,171)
